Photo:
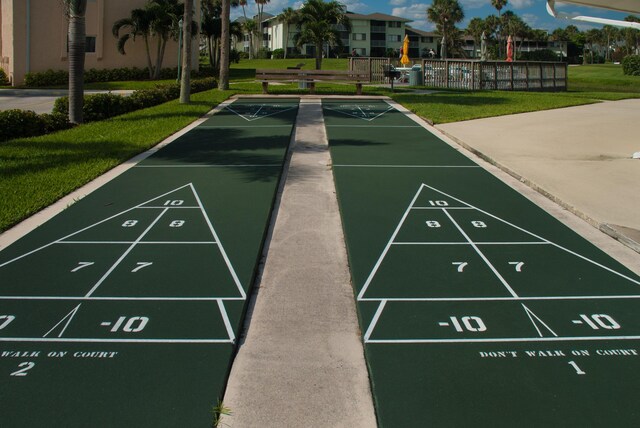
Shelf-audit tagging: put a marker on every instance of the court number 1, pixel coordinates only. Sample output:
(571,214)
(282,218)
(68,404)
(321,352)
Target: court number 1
(578,369)
(473,324)
(26,366)
(5,320)
(132,325)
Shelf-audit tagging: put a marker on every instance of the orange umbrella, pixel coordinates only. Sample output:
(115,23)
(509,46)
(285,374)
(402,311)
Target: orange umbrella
(509,49)
(405,50)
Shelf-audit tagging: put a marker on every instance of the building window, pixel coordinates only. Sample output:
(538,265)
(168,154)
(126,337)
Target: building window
(426,39)
(359,36)
(394,24)
(90,46)
(393,38)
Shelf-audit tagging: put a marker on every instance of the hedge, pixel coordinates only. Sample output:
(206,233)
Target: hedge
(631,65)
(61,77)
(103,106)
(4,80)
(26,123)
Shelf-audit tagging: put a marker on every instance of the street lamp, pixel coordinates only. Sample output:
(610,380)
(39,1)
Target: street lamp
(179,50)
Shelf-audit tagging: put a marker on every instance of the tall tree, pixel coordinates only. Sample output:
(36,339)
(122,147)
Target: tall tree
(243,3)
(317,25)
(260,4)
(225,45)
(211,29)
(475,28)
(631,37)
(138,24)
(289,17)
(185,79)
(165,15)
(498,5)
(516,27)
(446,14)
(611,35)
(76,10)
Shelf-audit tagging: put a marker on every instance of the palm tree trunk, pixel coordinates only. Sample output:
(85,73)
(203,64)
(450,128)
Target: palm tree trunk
(149,63)
(185,79)
(210,52)
(225,41)
(77,44)
(156,71)
(319,54)
(163,45)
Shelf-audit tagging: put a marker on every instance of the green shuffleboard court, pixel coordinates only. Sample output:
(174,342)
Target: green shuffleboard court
(124,309)
(477,307)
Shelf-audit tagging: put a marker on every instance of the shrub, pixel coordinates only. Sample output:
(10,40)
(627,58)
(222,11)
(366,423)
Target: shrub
(4,80)
(103,106)
(631,65)
(540,55)
(243,55)
(263,53)
(234,56)
(278,53)
(47,78)
(26,123)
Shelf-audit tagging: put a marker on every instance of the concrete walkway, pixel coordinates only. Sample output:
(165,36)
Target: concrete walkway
(38,100)
(301,363)
(580,157)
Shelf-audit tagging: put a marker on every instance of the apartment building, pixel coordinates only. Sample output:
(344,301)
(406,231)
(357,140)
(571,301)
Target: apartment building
(33,37)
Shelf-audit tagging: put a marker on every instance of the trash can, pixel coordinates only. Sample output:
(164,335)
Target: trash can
(415,77)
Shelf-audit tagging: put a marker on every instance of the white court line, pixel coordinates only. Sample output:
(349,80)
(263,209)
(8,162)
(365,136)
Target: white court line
(267,165)
(141,243)
(531,316)
(104,277)
(360,117)
(70,316)
(89,227)
(439,208)
(225,319)
(261,117)
(498,299)
(486,260)
(538,237)
(220,247)
(476,243)
(72,340)
(405,166)
(150,299)
(506,340)
(386,248)
(173,208)
(374,321)
(242,127)
(369,126)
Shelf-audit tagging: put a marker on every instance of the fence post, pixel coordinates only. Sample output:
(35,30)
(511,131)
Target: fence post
(554,77)
(511,70)
(446,73)
(527,73)
(370,69)
(495,74)
(473,76)
(541,78)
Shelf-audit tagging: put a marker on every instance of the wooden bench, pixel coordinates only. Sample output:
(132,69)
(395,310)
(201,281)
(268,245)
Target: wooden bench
(311,77)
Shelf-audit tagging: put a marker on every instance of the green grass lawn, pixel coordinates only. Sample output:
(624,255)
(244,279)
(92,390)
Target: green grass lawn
(603,78)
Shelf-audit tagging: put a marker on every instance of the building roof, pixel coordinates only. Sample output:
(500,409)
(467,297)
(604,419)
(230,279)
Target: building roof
(420,32)
(376,17)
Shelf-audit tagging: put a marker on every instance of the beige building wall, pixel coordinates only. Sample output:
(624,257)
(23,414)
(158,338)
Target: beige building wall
(45,46)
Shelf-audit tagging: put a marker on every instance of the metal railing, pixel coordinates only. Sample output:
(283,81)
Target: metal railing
(477,75)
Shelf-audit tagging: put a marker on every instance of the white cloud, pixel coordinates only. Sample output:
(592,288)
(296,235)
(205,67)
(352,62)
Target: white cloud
(520,4)
(354,5)
(475,4)
(531,19)
(415,12)
(397,2)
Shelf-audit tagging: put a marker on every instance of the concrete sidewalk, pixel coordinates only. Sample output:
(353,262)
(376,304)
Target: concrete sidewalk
(580,157)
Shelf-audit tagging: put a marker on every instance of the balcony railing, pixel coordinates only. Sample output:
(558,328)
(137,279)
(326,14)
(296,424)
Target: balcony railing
(378,29)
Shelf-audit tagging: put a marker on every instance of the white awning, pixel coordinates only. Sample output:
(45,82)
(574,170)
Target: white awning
(630,6)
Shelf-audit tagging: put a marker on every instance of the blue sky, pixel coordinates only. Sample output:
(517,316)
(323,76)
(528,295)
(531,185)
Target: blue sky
(532,11)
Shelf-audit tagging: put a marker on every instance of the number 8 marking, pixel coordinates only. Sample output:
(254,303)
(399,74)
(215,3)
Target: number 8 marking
(479,224)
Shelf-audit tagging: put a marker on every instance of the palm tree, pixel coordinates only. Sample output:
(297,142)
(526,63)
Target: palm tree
(317,25)
(446,14)
(515,27)
(225,45)
(243,3)
(211,29)
(475,28)
(138,24)
(498,5)
(260,4)
(289,17)
(250,26)
(76,10)
(165,15)
(185,79)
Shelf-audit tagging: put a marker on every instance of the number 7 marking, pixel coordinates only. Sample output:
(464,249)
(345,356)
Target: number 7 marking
(141,265)
(82,265)
(461,265)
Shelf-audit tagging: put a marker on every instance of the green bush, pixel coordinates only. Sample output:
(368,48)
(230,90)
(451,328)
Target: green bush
(26,123)
(234,56)
(4,80)
(278,53)
(103,106)
(263,53)
(47,78)
(243,55)
(540,55)
(631,65)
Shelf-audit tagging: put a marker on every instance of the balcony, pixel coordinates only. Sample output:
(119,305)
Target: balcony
(378,29)
(378,43)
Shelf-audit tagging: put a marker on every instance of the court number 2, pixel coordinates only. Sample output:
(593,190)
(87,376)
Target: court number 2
(466,323)
(132,325)
(5,320)
(26,366)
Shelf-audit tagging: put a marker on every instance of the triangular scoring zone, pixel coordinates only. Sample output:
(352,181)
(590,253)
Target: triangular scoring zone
(189,199)
(448,202)
(251,112)
(364,112)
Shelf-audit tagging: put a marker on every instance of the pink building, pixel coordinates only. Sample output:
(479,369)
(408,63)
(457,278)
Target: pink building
(33,37)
